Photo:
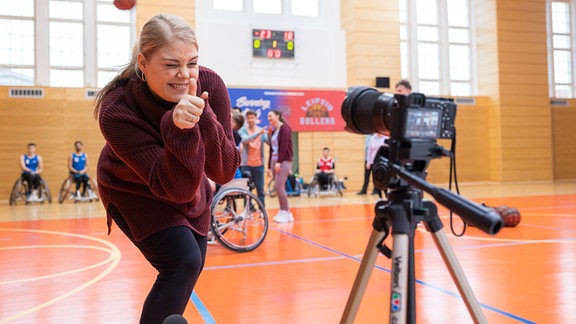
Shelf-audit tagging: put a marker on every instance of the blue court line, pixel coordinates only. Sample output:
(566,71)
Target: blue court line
(450,293)
(207,317)
(204,313)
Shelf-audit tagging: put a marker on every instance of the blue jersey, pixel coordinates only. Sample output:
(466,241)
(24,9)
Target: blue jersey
(78,161)
(31,162)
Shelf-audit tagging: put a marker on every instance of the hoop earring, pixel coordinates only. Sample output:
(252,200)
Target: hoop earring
(141,76)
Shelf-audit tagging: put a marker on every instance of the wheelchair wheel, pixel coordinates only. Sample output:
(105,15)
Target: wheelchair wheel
(272,188)
(238,220)
(46,194)
(18,192)
(313,189)
(64,193)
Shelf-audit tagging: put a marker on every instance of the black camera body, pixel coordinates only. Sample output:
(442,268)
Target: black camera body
(413,122)
(419,117)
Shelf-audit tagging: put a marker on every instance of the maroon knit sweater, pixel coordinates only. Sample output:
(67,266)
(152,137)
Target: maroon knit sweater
(154,172)
(284,145)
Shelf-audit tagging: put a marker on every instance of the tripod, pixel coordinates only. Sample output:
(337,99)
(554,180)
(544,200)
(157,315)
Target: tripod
(403,210)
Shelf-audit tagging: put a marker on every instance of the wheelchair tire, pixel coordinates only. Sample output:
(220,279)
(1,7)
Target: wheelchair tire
(238,221)
(272,188)
(46,194)
(64,192)
(18,192)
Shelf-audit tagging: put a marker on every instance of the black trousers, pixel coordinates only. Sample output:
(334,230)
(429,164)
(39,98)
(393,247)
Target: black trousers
(178,255)
(33,181)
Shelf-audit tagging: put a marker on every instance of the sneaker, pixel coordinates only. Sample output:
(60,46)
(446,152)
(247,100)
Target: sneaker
(361,193)
(283,217)
(290,216)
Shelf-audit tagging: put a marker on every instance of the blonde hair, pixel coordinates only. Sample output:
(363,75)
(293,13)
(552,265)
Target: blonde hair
(159,31)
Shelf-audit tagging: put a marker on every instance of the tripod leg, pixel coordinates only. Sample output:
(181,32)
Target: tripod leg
(362,278)
(458,276)
(399,304)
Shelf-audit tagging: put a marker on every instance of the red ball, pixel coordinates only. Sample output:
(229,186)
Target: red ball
(124,4)
(510,216)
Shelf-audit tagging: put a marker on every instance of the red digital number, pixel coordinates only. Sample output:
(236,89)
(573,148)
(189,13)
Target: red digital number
(265,34)
(273,53)
(288,35)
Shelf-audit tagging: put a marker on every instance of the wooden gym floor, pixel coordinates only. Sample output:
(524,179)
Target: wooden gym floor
(57,265)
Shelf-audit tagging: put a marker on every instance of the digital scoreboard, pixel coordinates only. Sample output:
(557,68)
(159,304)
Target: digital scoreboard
(274,44)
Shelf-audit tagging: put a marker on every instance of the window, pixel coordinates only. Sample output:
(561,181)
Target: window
(68,44)
(307,8)
(435,46)
(561,54)
(267,6)
(232,5)
(17,42)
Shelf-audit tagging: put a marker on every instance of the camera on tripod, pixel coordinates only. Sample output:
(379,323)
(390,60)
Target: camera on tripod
(413,122)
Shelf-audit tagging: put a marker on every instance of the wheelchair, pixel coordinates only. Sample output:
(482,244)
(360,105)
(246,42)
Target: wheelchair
(20,189)
(331,187)
(239,220)
(293,187)
(67,192)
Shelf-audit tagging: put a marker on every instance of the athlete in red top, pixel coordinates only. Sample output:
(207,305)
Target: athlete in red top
(325,167)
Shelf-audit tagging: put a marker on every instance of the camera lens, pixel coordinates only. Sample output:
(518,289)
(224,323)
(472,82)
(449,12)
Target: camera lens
(366,110)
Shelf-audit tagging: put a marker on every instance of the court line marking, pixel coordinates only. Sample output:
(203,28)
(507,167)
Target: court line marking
(59,274)
(204,313)
(496,310)
(114,251)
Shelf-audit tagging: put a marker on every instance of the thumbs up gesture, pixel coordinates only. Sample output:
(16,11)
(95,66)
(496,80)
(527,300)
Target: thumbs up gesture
(188,110)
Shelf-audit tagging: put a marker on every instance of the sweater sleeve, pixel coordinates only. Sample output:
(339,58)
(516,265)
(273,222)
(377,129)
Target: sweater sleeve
(172,170)
(222,156)
(285,144)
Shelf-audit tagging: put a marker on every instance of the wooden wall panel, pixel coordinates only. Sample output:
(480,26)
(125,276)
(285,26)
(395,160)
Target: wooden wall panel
(564,121)
(53,123)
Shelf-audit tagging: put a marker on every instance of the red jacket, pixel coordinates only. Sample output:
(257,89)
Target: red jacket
(155,173)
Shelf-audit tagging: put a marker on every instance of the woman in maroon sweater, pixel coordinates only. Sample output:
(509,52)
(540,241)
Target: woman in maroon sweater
(280,162)
(166,121)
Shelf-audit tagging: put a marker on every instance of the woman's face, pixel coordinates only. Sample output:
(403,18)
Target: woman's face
(273,119)
(169,69)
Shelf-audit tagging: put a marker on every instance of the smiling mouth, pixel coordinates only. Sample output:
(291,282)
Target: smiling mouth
(178,86)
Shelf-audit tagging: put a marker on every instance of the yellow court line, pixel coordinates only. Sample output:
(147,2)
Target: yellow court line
(60,274)
(115,254)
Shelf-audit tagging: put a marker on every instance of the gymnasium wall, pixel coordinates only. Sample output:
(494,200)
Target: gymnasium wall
(510,134)
(53,123)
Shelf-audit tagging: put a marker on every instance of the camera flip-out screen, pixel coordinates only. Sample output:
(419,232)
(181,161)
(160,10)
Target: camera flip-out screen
(422,123)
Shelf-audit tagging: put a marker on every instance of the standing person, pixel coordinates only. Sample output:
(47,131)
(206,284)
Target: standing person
(280,162)
(376,141)
(403,87)
(78,166)
(253,139)
(366,170)
(32,165)
(166,122)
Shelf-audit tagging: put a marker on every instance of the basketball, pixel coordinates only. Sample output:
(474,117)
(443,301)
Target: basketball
(124,4)
(317,111)
(510,216)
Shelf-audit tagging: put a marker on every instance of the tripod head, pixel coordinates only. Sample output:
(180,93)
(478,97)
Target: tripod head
(410,176)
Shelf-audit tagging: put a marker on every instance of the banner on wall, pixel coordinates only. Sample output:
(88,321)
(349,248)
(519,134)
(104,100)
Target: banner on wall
(303,110)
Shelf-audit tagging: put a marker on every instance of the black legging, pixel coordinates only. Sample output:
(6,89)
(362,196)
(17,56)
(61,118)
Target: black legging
(178,255)
(33,180)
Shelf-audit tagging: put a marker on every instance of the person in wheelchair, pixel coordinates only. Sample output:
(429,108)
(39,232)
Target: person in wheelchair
(32,165)
(78,166)
(325,170)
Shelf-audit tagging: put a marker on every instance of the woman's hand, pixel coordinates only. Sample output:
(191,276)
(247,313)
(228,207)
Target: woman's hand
(277,167)
(187,112)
